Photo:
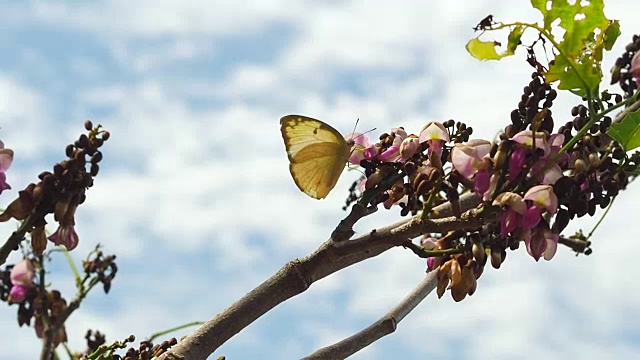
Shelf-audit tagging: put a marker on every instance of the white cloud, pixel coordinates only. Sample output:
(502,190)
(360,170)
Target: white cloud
(211,183)
(157,18)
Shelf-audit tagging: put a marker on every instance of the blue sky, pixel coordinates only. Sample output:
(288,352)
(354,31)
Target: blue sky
(194,194)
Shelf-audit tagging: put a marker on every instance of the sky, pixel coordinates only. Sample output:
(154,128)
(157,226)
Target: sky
(194,194)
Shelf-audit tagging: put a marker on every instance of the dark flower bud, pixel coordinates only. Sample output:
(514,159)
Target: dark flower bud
(496,257)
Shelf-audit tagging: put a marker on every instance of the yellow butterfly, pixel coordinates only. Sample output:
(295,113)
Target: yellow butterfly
(317,154)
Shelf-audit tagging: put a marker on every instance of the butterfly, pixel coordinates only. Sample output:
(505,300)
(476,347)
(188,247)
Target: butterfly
(317,154)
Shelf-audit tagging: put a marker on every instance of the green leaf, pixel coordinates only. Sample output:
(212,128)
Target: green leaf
(627,131)
(587,33)
(578,20)
(514,38)
(611,34)
(540,5)
(486,50)
(483,50)
(571,78)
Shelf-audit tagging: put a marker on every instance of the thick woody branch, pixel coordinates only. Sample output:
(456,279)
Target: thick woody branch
(296,277)
(386,325)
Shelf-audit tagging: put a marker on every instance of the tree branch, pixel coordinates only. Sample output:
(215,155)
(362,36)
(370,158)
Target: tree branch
(386,325)
(296,277)
(632,107)
(16,237)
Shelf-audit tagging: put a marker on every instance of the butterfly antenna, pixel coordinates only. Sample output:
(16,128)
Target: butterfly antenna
(354,127)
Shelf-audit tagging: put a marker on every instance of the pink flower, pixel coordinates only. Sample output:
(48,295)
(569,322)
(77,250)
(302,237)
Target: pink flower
(512,200)
(434,262)
(553,172)
(6,158)
(550,149)
(556,141)
(517,160)
(371,151)
(467,158)
(541,241)
(509,221)
(435,134)
(511,218)
(392,153)
(493,184)
(21,280)
(550,175)
(482,181)
(526,137)
(360,143)
(429,243)
(409,147)
(17,294)
(544,197)
(635,67)
(65,235)
(531,217)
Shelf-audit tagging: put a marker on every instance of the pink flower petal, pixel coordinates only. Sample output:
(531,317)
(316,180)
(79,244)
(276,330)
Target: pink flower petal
(552,246)
(481,183)
(525,137)
(516,161)
(512,200)
(434,131)
(6,158)
(531,217)
(536,243)
(22,273)
(409,147)
(635,67)
(18,293)
(544,197)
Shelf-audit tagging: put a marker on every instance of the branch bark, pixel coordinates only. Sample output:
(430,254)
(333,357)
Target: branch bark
(386,325)
(633,107)
(13,242)
(296,276)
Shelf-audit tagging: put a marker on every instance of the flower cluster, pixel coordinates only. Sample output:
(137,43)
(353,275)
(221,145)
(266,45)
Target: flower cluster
(147,350)
(527,157)
(530,183)
(20,285)
(59,192)
(399,154)
(626,71)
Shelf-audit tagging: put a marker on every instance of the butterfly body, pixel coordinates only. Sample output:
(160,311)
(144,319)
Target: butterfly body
(317,154)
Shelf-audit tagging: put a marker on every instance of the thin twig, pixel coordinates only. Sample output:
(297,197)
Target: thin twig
(48,334)
(344,230)
(386,325)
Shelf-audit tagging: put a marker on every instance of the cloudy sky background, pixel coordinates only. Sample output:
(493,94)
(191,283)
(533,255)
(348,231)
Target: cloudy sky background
(194,194)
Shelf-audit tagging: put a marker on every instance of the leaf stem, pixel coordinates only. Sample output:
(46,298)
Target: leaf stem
(601,218)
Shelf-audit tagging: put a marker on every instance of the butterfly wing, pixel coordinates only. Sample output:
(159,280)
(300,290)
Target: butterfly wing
(317,154)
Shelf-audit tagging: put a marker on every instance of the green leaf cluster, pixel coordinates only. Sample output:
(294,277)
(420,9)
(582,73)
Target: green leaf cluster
(579,33)
(587,33)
